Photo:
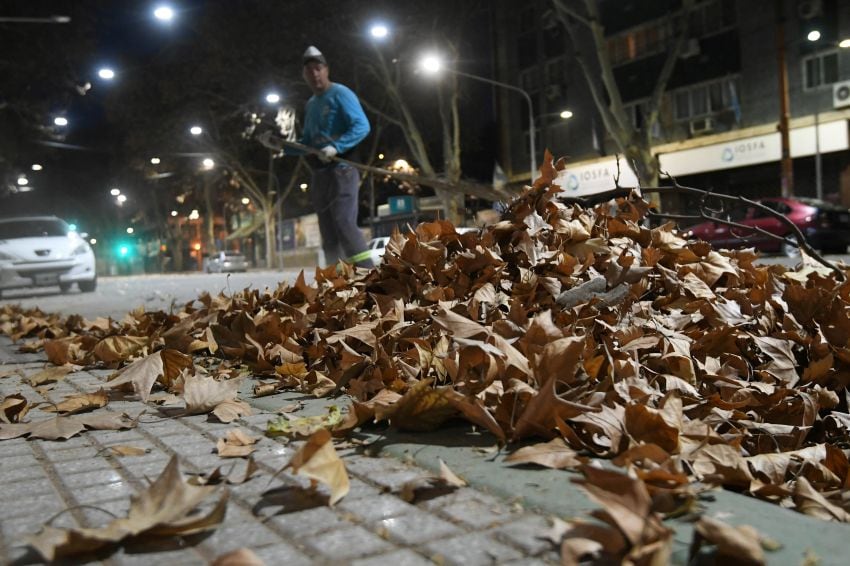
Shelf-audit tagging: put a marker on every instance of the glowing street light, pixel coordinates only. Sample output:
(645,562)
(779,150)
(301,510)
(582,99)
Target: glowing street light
(194,215)
(155,161)
(272,98)
(303,186)
(37,167)
(130,230)
(246,201)
(379,31)
(60,121)
(163,13)
(196,130)
(432,64)
(844,43)
(22,180)
(121,199)
(813,35)
(106,73)
(115,192)
(173,213)
(93,241)
(208,163)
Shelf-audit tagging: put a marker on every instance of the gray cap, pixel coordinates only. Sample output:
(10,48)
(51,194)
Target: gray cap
(313,54)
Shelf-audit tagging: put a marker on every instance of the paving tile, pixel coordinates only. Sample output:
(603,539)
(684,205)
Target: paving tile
(78,466)
(282,553)
(299,524)
(11,472)
(376,508)
(525,533)
(101,513)
(347,543)
(28,487)
(416,528)
(476,512)
(404,557)
(103,492)
(240,529)
(472,550)
(80,453)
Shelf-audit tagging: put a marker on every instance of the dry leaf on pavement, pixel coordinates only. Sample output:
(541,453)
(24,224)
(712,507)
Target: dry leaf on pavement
(49,375)
(203,393)
(13,408)
(80,403)
(164,366)
(235,444)
(64,427)
(739,545)
(229,411)
(318,460)
(553,454)
(166,508)
(448,476)
(122,450)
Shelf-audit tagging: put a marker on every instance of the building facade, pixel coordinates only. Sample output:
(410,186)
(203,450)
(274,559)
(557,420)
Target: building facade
(718,119)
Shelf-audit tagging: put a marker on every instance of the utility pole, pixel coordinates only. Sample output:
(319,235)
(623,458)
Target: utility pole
(787,167)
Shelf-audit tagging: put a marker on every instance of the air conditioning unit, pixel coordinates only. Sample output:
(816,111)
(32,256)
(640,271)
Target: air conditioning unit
(552,92)
(809,9)
(702,126)
(841,94)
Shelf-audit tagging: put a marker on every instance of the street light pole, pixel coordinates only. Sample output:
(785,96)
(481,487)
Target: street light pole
(531,129)
(787,168)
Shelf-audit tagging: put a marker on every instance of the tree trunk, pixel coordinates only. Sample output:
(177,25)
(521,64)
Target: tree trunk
(269,223)
(209,218)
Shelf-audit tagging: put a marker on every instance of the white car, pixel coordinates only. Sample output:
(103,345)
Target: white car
(226,262)
(39,251)
(377,246)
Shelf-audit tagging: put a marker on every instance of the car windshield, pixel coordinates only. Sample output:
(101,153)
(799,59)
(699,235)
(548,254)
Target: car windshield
(32,228)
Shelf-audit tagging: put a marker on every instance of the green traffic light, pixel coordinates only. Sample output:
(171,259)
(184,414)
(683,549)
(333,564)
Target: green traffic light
(123,251)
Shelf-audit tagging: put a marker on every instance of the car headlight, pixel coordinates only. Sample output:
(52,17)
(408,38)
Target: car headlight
(82,248)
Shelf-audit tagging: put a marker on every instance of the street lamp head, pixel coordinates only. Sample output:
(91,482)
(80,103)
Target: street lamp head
(431,64)
(106,73)
(163,13)
(121,199)
(246,201)
(208,163)
(130,230)
(115,192)
(37,167)
(155,161)
(379,31)
(272,98)
(566,114)
(22,180)
(60,121)
(844,43)
(173,213)
(196,130)
(813,35)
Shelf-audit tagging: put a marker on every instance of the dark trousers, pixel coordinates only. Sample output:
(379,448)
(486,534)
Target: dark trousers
(333,193)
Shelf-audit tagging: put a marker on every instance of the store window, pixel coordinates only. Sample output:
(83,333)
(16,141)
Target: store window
(820,70)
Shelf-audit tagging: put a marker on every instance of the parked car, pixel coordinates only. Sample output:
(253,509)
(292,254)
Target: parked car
(39,251)
(826,226)
(377,246)
(224,262)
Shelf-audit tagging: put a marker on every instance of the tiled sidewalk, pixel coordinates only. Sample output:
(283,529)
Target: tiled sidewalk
(82,482)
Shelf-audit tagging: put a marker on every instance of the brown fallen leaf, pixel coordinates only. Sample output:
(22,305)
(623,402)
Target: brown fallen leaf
(239,557)
(235,444)
(810,502)
(553,454)
(164,366)
(49,375)
(13,408)
(203,393)
(217,476)
(64,427)
(121,450)
(317,459)
(230,410)
(10,372)
(265,389)
(448,476)
(739,544)
(118,348)
(80,403)
(164,509)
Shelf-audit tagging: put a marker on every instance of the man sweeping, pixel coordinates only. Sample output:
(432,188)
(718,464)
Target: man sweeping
(334,123)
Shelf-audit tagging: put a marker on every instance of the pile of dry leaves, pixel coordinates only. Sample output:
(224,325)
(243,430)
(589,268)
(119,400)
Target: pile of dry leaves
(581,327)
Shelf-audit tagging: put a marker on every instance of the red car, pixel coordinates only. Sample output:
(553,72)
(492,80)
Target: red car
(826,226)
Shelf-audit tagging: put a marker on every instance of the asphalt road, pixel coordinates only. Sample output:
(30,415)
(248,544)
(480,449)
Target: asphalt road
(115,296)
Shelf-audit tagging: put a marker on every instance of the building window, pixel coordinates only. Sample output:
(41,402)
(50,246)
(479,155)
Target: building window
(529,80)
(706,99)
(820,70)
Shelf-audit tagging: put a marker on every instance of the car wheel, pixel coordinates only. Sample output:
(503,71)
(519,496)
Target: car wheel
(790,250)
(88,286)
(64,287)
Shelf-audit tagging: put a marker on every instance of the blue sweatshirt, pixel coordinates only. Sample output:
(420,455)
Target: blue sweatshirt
(336,118)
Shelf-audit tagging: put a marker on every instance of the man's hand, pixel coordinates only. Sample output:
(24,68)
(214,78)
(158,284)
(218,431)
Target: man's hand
(327,153)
